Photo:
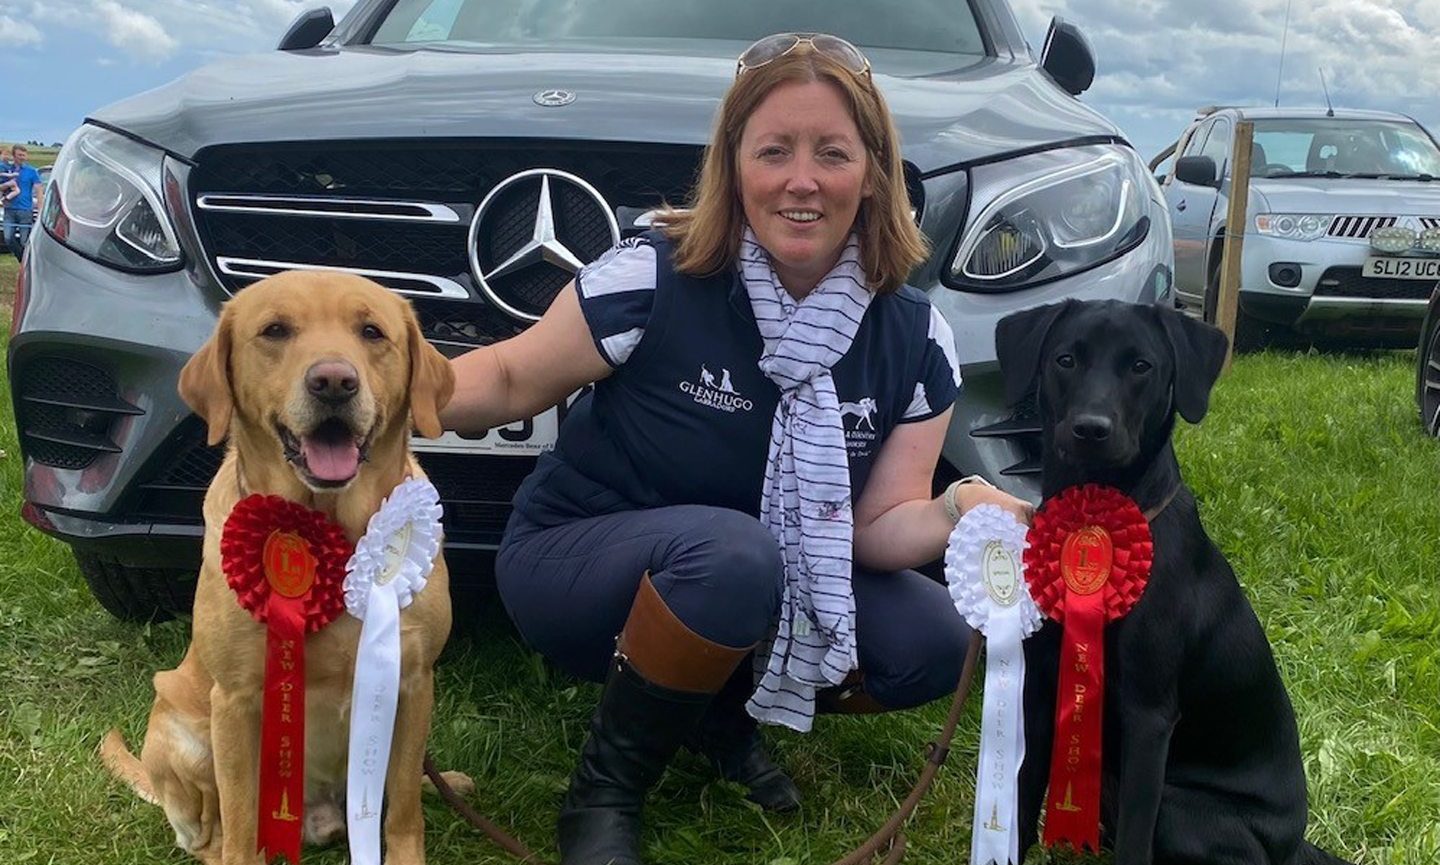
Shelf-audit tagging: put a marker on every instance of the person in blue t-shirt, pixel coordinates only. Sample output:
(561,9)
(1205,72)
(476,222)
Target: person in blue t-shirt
(20,209)
(727,527)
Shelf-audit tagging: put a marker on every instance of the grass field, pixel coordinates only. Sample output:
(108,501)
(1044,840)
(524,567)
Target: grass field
(1312,475)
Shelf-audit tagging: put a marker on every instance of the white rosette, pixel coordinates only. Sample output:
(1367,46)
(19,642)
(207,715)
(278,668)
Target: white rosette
(984,567)
(390,565)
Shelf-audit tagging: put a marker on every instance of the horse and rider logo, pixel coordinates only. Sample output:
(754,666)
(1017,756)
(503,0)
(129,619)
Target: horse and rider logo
(864,411)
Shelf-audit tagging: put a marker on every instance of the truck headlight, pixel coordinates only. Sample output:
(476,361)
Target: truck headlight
(1294,226)
(1050,215)
(104,202)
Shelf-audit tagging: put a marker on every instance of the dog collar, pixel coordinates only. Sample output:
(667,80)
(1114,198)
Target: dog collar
(1154,512)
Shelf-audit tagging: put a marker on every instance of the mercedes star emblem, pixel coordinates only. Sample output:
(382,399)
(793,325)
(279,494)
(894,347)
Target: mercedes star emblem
(553,98)
(544,247)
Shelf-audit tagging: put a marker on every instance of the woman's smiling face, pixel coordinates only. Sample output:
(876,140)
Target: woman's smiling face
(803,173)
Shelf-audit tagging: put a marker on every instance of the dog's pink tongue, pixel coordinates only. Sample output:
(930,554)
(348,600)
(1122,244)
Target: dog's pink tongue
(331,461)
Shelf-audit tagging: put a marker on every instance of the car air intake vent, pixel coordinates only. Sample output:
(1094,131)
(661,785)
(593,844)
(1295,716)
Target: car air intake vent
(401,213)
(66,411)
(1359,227)
(1022,429)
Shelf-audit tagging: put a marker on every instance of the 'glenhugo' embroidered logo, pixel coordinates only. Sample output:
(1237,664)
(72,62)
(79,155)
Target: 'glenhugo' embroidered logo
(717,395)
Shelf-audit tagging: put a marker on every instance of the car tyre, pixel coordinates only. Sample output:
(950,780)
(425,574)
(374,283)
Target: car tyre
(137,594)
(1427,379)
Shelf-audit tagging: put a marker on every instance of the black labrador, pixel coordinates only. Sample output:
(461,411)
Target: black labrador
(1201,756)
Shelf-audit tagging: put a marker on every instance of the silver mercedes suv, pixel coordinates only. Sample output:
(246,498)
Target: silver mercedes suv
(471,155)
(1342,234)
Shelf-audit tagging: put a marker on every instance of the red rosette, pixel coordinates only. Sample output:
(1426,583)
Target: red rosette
(1087,563)
(1072,510)
(243,542)
(286,565)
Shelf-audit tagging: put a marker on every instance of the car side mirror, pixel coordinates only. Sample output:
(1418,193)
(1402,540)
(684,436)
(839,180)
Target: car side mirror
(308,30)
(1197,170)
(1067,57)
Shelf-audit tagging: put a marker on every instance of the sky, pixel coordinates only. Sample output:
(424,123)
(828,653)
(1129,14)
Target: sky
(1157,60)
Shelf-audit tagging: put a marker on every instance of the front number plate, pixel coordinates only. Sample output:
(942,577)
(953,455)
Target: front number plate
(525,438)
(1389,267)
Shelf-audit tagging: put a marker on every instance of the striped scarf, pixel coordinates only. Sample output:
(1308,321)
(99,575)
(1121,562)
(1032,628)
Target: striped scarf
(805,502)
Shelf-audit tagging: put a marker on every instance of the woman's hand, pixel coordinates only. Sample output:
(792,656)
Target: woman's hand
(969,495)
(520,377)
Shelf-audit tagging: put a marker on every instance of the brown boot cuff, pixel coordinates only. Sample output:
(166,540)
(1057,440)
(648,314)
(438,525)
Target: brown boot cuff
(848,698)
(664,651)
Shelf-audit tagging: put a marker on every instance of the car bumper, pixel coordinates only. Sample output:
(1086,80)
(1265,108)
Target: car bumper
(1332,297)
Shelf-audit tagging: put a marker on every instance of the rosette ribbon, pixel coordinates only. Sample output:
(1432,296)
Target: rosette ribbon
(391,562)
(983,567)
(285,564)
(1087,564)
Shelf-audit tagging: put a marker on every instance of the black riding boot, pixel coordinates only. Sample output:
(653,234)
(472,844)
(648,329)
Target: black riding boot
(730,739)
(662,678)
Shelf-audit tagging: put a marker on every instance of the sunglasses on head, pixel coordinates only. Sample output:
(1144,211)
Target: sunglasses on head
(772,48)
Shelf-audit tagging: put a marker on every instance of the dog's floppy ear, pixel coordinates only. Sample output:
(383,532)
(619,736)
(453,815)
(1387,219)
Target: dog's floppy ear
(1199,353)
(205,382)
(432,381)
(1019,337)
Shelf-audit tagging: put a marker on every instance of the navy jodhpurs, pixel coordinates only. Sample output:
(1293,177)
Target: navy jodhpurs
(569,588)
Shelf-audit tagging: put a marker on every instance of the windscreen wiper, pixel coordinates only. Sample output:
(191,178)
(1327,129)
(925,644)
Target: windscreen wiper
(1425,178)
(1308,174)
(1357,175)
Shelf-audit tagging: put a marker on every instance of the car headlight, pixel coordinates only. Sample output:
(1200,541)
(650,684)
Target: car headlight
(1050,215)
(1294,226)
(104,202)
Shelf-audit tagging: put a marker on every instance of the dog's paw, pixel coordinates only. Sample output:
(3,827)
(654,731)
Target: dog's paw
(324,823)
(458,781)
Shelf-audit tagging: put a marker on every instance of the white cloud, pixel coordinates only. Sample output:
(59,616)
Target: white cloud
(158,29)
(134,32)
(19,32)
(1159,60)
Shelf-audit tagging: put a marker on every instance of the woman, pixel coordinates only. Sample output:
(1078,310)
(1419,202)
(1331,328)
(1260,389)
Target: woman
(758,356)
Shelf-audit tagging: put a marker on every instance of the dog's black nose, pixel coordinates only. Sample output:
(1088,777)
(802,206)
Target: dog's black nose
(1092,427)
(332,381)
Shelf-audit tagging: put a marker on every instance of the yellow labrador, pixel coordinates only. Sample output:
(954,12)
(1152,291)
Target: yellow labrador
(317,380)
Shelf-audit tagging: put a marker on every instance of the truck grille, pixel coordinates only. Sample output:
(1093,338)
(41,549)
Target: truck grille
(1359,227)
(400,212)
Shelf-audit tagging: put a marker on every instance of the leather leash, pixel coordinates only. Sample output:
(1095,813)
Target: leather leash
(888,839)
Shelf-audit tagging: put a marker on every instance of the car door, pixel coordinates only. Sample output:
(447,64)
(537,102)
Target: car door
(1217,201)
(1191,206)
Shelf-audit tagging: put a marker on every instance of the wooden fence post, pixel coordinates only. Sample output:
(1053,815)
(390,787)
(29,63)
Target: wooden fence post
(1235,225)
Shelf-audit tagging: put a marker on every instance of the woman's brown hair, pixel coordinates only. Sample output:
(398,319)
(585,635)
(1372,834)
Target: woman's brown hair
(707,234)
